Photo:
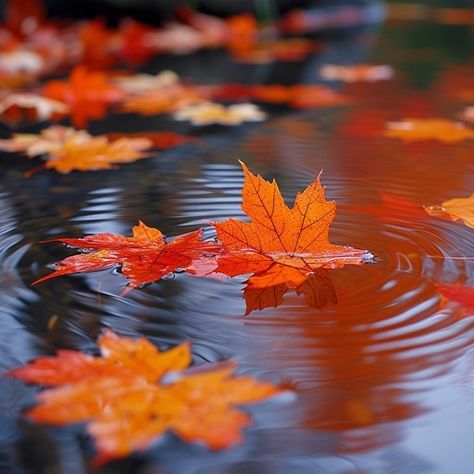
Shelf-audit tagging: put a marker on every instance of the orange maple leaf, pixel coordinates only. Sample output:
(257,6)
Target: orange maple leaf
(207,113)
(281,245)
(455,209)
(242,33)
(67,149)
(443,130)
(163,100)
(86,92)
(144,258)
(127,402)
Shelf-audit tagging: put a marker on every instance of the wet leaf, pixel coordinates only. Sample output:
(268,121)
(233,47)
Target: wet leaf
(96,44)
(456,209)
(87,93)
(242,34)
(281,245)
(18,62)
(263,52)
(140,83)
(144,258)
(356,73)
(23,16)
(15,107)
(443,130)
(176,38)
(67,149)
(207,113)
(162,100)
(127,402)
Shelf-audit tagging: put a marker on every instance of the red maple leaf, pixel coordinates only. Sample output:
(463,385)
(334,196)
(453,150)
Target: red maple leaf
(144,258)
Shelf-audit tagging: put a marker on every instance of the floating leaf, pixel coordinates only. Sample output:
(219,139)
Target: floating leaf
(68,149)
(15,107)
(263,52)
(23,16)
(355,73)
(124,397)
(144,258)
(86,92)
(428,129)
(281,245)
(207,113)
(242,34)
(21,61)
(140,83)
(163,100)
(456,209)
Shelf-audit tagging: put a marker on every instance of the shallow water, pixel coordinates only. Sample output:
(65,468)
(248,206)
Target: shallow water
(384,379)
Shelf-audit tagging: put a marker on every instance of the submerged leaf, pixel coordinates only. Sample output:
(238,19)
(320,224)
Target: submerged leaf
(144,258)
(127,403)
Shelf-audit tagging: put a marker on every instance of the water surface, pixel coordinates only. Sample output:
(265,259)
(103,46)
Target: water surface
(384,378)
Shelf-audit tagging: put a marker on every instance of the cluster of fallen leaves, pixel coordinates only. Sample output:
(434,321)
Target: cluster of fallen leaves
(33,45)
(283,248)
(87,95)
(133,393)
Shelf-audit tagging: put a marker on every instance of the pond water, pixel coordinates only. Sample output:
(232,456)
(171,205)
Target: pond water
(384,379)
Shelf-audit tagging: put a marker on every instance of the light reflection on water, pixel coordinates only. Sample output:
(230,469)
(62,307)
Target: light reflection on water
(383,377)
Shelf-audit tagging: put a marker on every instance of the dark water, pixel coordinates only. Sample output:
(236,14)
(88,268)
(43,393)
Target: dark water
(384,379)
